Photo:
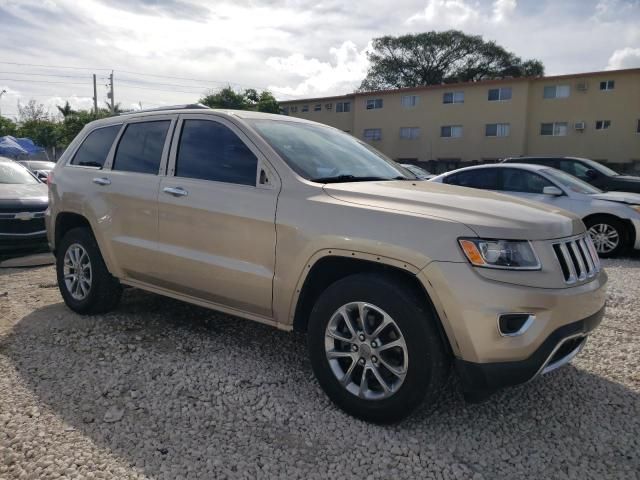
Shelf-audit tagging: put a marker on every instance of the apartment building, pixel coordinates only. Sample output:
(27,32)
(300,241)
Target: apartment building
(594,115)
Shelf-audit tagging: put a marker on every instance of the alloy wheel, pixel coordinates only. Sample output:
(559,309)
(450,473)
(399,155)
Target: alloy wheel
(366,351)
(77,271)
(605,237)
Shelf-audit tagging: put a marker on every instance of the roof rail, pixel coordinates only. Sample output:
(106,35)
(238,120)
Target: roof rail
(189,106)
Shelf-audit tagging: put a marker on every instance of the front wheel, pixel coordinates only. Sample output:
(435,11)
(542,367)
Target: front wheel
(375,348)
(609,235)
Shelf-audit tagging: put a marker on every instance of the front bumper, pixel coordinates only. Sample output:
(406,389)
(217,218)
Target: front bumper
(557,349)
(22,241)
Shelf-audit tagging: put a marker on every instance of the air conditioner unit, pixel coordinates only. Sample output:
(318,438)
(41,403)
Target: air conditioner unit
(580,126)
(582,86)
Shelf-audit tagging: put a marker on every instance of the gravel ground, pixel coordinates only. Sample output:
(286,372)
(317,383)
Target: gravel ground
(162,389)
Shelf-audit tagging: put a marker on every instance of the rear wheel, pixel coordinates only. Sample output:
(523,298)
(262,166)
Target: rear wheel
(86,285)
(375,348)
(609,235)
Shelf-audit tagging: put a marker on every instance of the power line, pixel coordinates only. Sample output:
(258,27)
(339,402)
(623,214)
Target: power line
(43,74)
(52,66)
(37,81)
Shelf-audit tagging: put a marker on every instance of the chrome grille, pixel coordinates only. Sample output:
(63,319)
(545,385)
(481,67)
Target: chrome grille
(578,258)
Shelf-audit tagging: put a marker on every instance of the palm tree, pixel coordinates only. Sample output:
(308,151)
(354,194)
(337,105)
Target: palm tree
(66,110)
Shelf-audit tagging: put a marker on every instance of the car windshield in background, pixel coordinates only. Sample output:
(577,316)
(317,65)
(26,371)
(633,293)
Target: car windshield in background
(601,168)
(12,173)
(322,154)
(572,183)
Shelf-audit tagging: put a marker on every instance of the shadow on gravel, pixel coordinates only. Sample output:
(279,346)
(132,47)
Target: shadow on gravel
(176,389)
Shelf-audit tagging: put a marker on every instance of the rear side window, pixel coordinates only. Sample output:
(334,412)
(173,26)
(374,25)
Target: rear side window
(485,178)
(210,151)
(140,147)
(95,148)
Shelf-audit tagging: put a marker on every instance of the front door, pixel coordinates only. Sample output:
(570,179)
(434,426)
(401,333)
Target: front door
(217,216)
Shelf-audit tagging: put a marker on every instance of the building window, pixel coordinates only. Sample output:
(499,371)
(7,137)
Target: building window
(603,124)
(608,85)
(293,108)
(317,107)
(451,131)
(499,94)
(372,134)
(374,103)
(343,107)
(409,133)
(328,106)
(453,97)
(409,101)
(497,130)
(557,91)
(305,108)
(638,126)
(556,129)
(285,110)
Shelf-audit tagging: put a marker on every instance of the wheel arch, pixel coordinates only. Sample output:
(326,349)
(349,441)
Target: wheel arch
(629,232)
(330,266)
(66,221)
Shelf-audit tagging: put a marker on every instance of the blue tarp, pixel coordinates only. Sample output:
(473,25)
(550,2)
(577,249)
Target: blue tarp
(13,147)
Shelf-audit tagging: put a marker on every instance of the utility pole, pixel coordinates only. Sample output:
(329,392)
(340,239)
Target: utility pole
(113,104)
(95,95)
(1,94)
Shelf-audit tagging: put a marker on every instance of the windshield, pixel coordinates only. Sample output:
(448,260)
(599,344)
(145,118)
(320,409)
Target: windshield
(13,173)
(572,183)
(601,168)
(323,154)
(420,172)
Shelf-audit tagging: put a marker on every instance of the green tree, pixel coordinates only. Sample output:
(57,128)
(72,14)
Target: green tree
(44,133)
(7,127)
(66,109)
(433,58)
(32,111)
(73,123)
(249,99)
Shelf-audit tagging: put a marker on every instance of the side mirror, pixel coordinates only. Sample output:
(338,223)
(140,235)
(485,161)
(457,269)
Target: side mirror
(555,191)
(591,174)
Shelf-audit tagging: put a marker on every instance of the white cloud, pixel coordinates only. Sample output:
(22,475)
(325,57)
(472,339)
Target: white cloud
(457,13)
(348,66)
(624,58)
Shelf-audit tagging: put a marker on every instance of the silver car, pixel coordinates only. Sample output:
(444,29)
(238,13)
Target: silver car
(613,218)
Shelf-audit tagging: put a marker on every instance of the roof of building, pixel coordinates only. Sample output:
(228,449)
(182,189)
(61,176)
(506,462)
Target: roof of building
(494,81)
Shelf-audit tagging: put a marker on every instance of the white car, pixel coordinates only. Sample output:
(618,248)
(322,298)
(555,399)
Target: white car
(613,218)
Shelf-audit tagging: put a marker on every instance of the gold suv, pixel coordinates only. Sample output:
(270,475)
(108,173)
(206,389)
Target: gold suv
(301,226)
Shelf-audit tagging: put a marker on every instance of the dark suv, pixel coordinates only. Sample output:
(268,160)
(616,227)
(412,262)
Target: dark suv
(588,170)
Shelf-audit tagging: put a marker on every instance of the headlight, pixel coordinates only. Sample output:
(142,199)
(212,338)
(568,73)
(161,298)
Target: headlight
(503,254)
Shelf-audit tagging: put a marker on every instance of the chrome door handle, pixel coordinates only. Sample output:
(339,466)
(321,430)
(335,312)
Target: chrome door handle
(102,181)
(175,191)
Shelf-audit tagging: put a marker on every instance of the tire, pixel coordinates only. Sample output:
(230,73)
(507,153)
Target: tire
(601,228)
(96,290)
(426,365)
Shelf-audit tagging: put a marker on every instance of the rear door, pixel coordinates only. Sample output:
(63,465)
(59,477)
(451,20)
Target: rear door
(129,187)
(217,210)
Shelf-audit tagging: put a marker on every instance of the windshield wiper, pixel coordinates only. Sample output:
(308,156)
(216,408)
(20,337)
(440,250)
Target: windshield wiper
(347,178)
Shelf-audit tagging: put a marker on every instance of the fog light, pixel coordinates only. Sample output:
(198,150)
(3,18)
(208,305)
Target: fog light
(514,324)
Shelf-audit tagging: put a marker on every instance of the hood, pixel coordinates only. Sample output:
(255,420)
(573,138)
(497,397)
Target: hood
(627,179)
(24,193)
(622,197)
(490,215)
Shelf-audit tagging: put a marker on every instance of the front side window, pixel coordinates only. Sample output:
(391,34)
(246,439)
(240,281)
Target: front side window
(523,181)
(409,133)
(557,91)
(497,130)
(140,147)
(451,131)
(603,124)
(484,178)
(608,85)
(453,97)
(372,134)
(499,94)
(571,182)
(556,129)
(316,151)
(409,101)
(374,103)
(209,150)
(95,148)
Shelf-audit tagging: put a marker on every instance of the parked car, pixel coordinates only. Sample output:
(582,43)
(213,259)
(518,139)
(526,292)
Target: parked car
(419,172)
(613,218)
(303,227)
(587,170)
(39,168)
(23,201)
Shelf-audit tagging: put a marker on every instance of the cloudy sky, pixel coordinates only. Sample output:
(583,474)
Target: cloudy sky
(171,51)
